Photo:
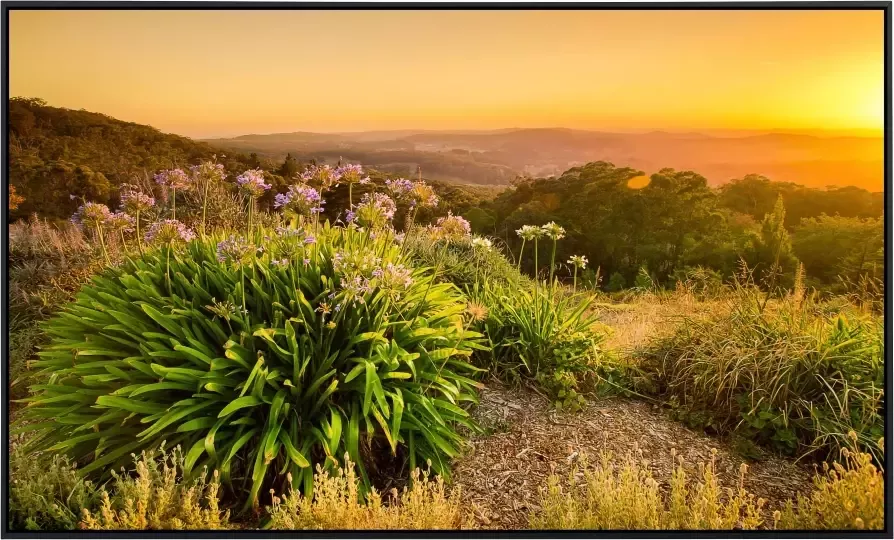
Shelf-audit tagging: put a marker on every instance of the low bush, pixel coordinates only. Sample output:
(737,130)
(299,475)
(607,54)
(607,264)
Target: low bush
(46,493)
(156,497)
(258,364)
(780,372)
(336,504)
(47,265)
(848,495)
(546,335)
(627,497)
(463,261)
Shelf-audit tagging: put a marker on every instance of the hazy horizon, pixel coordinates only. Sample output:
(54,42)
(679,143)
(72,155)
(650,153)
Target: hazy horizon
(219,74)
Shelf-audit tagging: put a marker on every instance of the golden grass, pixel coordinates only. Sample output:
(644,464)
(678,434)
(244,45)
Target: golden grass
(847,496)
(336,504)
(626,497)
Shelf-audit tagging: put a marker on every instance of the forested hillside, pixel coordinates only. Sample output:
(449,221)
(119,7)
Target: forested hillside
(677,222)
(56,152)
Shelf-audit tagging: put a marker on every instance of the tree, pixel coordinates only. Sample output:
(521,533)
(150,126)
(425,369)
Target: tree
(771,254)
(289,169)
(14,199)
(833,246)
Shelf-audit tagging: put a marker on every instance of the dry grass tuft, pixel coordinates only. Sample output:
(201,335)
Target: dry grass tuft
(336,504)
(157,499)
(627,497)
(847,496)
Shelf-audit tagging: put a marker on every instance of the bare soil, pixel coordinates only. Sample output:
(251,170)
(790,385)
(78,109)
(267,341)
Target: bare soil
(504,471)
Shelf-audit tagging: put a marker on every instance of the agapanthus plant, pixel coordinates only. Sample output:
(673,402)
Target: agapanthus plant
(252,184)
(205,175)
(556,232)
(351,174)
(423,195)
(323,176)
(399,188)
(94,216)
(264,394)
(135,202)
(300,200)
(452,227)
(578,262)
(120,223)
(482,242)
(174,179)
(235,250)
(168,231)
(375,210)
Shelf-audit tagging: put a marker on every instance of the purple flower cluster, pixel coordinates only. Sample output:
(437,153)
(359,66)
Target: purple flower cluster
(136,201)
(417,193)
(323,175)
(423,195)
(374,210)
(168,230)
(252,183)
(91,215)
(394,277)
(235,250)
(281,263)
(399,188)
(208,170)
(120,221)
(301,200)
(173,178)
(351,174)
(452,227)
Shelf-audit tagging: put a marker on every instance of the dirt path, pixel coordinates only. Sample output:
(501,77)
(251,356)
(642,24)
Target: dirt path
(526,441)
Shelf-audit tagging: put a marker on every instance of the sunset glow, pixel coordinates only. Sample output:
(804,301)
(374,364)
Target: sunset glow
(225,73)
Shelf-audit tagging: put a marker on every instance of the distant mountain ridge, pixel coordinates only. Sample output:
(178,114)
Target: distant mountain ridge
(496,156)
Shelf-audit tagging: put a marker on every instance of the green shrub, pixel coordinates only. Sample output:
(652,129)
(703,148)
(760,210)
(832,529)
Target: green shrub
(157,498)
(543,334)
(258,364)
(45,492)
(643,280)
(616,283)
(336,504)
(464,261)
(780,373)
(627,497)
(532,330)
(699,280)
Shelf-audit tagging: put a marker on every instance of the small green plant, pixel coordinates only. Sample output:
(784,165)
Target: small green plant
(336,503)
(616,283)
(463,261)
(643,280)
(46,493)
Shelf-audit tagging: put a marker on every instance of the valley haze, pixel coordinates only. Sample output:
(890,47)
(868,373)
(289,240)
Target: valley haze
(814,158)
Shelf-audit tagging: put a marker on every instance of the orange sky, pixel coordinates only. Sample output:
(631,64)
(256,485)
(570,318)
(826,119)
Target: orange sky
(222,73)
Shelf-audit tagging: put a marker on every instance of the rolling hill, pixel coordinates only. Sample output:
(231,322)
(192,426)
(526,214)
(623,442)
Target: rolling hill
(495,157)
